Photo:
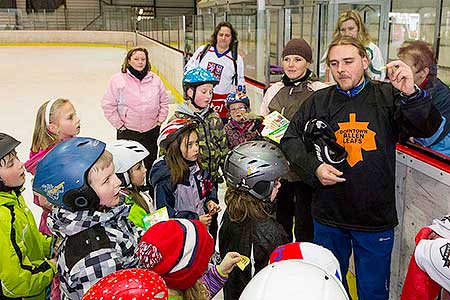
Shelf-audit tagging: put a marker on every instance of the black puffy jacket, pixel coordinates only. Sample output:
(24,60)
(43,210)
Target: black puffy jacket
(255,239)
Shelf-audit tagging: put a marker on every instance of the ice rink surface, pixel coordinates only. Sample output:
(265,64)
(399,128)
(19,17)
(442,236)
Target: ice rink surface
(31,75)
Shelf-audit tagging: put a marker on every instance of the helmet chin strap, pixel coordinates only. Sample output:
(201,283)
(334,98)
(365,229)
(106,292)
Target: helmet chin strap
(193,100)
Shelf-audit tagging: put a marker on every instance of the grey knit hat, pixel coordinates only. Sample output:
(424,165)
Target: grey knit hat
(298,47)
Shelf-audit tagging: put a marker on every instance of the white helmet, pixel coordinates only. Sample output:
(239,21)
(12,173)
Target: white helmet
(294,279)
(125,155)
(310,252)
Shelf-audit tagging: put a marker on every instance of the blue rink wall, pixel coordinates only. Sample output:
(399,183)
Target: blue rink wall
(422,190)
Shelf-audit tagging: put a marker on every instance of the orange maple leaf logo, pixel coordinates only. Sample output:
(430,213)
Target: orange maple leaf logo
(354,137)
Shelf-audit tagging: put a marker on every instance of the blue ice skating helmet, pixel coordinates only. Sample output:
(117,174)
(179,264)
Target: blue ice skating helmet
(238,98)
(198,76)
(61,176)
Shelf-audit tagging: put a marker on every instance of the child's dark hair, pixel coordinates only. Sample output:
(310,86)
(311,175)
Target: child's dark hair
(178,166)
(241,205)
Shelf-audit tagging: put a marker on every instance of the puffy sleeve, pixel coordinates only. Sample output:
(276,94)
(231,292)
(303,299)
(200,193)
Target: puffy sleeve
(21,276)
(110,103)
(163,103)
(194,60)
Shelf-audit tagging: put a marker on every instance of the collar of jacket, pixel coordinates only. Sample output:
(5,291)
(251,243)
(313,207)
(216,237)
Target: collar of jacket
(288,82)
(355,90)
(138,74)
(10,197)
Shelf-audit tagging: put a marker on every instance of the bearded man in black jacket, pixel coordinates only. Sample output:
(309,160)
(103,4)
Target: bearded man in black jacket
(354,201)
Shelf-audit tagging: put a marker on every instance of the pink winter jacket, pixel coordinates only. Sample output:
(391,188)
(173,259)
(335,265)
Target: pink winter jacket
(137,105)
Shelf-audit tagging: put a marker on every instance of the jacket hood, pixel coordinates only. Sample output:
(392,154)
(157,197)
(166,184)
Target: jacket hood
(185,109)
(159,171)
(65,223)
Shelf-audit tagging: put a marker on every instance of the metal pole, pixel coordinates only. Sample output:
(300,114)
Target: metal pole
(437,28)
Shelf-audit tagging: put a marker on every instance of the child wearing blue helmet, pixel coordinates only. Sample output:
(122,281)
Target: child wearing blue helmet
(77,177)
(241,127)
(26,270)
(198,85)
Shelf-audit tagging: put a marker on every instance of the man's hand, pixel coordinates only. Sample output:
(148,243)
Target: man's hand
(329,175)
(401,77)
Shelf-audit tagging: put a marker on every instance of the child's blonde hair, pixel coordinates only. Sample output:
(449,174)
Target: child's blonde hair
(196,292)
(241,205)
(104,161)
(42,137)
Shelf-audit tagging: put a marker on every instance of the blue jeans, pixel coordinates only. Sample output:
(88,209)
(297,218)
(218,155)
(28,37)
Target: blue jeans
(372,253)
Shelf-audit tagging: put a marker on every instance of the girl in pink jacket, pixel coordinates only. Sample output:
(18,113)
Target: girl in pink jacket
(136,103)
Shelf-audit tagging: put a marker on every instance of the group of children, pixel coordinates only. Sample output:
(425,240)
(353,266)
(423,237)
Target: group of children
(95,200)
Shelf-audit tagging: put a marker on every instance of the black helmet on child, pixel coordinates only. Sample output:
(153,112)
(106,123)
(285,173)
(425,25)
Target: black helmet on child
(319,136)
(7,144)
(254,167)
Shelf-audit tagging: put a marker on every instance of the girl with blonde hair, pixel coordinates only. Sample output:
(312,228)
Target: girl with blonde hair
(56,120)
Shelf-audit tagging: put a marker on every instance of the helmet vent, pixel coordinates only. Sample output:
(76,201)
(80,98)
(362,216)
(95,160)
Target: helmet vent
(82,144)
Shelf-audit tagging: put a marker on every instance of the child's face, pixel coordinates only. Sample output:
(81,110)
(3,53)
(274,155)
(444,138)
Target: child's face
(137,174)
(106,185)
(276,187)
(67,123)
(12,172)
(203,95)
(237,111)
(189,147)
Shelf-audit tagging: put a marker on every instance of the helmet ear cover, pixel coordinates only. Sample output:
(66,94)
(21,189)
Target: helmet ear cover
(83,198)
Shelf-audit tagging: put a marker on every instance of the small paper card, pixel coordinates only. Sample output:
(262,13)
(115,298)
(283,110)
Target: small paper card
(243,262)
(275,125)
(155,217)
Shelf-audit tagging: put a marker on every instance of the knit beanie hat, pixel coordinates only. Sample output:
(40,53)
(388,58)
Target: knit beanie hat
(298,47)
(179,250)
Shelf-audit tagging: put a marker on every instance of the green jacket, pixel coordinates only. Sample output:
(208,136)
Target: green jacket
(24,271)
(137,213)
(211,136)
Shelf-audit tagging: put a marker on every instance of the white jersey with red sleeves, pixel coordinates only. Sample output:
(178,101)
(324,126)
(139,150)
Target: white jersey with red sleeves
(221,65)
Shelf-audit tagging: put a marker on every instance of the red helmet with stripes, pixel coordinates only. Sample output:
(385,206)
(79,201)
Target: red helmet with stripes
(172,130)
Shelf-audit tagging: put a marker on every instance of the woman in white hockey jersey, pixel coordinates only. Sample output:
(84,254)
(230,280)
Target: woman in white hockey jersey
(221,58)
